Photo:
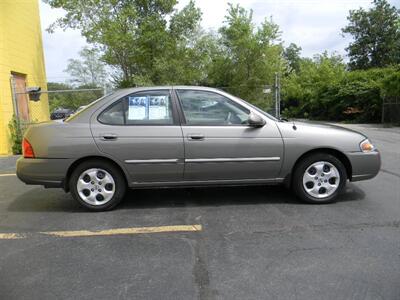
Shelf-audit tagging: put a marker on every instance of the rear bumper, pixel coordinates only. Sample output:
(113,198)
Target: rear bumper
(41,171)
(364,165)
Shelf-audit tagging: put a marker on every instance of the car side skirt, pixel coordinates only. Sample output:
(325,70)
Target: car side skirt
(183,184)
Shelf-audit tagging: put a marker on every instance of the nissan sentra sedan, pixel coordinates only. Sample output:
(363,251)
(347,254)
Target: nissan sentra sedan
(189,136)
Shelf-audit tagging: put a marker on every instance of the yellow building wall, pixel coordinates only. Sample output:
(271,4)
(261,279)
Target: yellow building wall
(21,51)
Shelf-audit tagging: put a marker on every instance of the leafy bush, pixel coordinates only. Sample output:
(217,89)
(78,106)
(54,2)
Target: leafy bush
(16,135)
(323,90)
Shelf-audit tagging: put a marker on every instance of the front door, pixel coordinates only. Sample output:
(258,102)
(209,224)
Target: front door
(220,145)
(142,132)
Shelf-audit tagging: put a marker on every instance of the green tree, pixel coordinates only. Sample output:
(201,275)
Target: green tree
(391,84)
(323,89)
(292,55)
(87,70)
(376,36)
(71,99)
(247,56)
(187,55)
(306,93)
(137,37)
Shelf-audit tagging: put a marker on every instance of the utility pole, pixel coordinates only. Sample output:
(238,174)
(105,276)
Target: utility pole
(104,89)
(277,95)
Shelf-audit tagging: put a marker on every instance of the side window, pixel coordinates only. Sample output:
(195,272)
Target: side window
(144,108)
(113,115)
(149,108)
(208,108)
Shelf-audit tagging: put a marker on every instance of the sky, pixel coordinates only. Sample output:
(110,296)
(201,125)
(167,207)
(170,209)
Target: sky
(314,25)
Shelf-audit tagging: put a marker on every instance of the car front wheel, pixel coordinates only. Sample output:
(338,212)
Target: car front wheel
(97,185)
(319,178)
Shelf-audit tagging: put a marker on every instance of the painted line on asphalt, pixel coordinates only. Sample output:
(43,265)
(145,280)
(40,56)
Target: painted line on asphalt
(108,232)
(10,174)
(12,236)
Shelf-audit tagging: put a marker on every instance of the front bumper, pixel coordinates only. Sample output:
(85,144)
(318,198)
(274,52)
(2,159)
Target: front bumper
(42,171)
(364,165)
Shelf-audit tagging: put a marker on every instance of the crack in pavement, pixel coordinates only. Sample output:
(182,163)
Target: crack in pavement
(323,227)
(390,172)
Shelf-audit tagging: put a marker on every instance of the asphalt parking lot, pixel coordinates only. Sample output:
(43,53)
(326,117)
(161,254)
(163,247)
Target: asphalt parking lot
(225,243)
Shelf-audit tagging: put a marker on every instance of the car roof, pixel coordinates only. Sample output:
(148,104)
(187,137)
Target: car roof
(163,87)
(84,115)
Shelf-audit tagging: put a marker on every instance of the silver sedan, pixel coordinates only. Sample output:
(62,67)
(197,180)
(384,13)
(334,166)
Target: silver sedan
(189,136)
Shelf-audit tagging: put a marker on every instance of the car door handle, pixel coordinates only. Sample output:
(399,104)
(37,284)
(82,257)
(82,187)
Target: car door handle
(196,137)
(108,136)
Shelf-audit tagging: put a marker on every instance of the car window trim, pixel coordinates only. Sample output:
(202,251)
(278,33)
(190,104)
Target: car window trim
(175,118)
(183,118)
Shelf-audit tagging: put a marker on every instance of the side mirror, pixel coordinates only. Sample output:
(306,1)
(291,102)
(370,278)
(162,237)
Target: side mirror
(255,120)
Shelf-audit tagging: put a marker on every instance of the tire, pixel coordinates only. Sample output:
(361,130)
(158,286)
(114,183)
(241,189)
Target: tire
(313,183)
(105,180)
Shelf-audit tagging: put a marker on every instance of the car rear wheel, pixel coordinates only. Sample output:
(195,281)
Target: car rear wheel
(319,178)
(97,185)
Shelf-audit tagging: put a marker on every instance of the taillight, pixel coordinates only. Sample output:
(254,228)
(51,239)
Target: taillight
(27,149)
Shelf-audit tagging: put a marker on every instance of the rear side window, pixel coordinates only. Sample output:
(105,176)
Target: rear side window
(114,114)
(144,108)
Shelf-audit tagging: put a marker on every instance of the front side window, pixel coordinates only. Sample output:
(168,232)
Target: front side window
(144,108)
(208,108)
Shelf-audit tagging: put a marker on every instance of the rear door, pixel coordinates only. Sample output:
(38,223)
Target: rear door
(142,132)
(220,145)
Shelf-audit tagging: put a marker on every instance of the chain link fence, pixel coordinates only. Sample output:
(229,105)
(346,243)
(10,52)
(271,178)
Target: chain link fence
(391,110)
(62,103)
(28,111)
(34,106)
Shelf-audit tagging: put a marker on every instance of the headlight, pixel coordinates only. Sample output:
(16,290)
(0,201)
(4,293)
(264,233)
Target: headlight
(366,146)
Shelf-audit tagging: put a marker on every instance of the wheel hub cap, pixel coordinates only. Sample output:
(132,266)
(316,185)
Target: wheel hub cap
(96,186)
(321,179)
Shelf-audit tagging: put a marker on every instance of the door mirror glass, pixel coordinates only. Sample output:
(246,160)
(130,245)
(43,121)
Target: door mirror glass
(255,120)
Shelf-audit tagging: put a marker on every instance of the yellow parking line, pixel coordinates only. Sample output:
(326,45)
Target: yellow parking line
(10,174)
(118,231)
(11,236)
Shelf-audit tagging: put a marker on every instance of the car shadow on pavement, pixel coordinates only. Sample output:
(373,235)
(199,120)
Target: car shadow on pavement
(45,200)
(220,196)
(42,200)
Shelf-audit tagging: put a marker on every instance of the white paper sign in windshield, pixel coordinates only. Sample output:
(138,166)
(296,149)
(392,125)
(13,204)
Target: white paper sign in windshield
(148,108)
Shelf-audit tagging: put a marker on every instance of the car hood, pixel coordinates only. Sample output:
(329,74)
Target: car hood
(324,126)
(314,135)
